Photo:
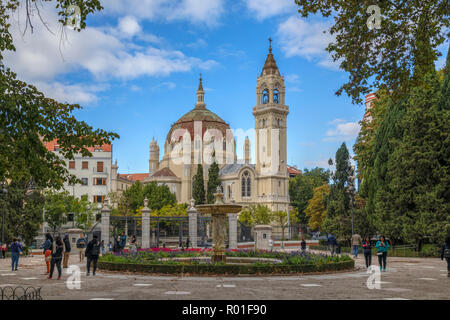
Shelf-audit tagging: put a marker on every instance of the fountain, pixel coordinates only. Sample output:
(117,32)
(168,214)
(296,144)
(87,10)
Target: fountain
(218,211)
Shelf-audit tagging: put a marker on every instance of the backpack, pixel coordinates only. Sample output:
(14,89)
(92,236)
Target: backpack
(446,252)
(95,249)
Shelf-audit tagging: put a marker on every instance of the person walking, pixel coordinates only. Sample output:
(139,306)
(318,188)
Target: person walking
(47,250)
(81,244)
(367,249)
(92,253)
(303,245)
(382,247)
(356,242)
(16,251)
(4,248)
(445,253)
(122,242)
(110,247)
(67,249)
(332,242)
(57,256)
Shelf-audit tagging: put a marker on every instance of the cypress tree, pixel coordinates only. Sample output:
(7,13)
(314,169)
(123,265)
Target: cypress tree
(213,181)
(198,188)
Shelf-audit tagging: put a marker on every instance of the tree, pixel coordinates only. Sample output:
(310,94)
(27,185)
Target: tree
(84,212)
(213,182)
(29,118)
(338,220)
(158,196)
(316,210)
(198,188)
(301,189)
(392,57)
(414,199)
(57,206)
(23,211)
(281,218)
(253,215)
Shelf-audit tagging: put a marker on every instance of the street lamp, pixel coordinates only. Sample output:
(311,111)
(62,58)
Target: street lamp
(4,192)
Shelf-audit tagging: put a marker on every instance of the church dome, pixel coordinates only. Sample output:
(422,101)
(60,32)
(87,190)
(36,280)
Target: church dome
(209,119)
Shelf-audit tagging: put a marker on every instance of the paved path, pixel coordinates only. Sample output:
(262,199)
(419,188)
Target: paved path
(406,278)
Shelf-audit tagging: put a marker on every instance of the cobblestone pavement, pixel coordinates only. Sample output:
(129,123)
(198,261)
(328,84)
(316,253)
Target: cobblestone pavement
(406,278)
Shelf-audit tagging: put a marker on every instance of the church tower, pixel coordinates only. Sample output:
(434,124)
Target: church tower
(153,163)
(270,115)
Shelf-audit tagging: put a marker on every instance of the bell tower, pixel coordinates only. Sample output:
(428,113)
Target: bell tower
(270,115)
(153,163)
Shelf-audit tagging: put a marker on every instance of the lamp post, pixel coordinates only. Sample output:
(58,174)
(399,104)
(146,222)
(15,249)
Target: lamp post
(351,189)
(4,192)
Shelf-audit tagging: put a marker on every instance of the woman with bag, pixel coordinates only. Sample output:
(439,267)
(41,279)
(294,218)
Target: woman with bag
(367,249)
(382,247)
(57,254)
(47,250)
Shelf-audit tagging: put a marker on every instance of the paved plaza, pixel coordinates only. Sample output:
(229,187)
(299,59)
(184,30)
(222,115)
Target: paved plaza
(406,278)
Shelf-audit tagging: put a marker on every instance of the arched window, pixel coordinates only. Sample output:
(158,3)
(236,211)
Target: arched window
(265,97)
(275,96)
(246,184)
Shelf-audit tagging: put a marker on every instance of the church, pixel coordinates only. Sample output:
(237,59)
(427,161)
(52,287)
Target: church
(200,131)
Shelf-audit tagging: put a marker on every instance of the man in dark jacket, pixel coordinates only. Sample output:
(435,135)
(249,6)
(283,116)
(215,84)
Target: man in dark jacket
(445,253)
(92,254)
(66,251)
(332,243)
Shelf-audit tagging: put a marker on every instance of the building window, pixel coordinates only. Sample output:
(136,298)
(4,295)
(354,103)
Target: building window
(229,192)
(246,184)
(84,181)
(99,166)
(99,199)
(99,181)
(84,165)
(71,164)
(265,97)
(275,96)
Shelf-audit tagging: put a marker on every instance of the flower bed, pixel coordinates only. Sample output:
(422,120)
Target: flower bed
(158,262)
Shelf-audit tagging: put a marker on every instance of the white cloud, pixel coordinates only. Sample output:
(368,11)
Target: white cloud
(101,52)
(129,25)
(194,11)
(306,40)
(343,131)
(81,94)
(268,8)
(199,43)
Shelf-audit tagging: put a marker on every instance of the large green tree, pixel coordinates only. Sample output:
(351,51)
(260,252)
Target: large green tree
(393,57)
(213,182)
(29,118)
(338,217)
(301,189)
(413,201)
(23,211)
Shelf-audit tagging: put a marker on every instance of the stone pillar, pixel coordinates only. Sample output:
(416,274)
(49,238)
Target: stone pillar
(145,226)
(192,212)
(232,230)
(106,211)
(263,235)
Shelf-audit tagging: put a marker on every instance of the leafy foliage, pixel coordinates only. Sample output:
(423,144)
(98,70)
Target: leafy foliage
(213,181)
(316,210)
(198,188)
(253,215)
(394,57)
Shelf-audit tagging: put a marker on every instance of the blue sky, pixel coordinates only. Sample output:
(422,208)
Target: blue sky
(135,71)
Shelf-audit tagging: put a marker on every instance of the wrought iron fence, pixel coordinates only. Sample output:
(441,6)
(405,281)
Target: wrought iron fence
(20,293)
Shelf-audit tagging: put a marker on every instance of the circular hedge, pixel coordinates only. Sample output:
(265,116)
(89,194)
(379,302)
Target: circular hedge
(182,262)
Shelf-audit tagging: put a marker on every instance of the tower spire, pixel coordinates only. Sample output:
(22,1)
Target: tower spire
(270,45)
(270,66)
(200,95)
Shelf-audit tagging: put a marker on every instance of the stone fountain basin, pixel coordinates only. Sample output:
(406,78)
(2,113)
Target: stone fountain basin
(229,260)
(218,208)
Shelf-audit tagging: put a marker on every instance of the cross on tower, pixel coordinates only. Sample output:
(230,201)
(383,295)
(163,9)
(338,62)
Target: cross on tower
(270,44)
